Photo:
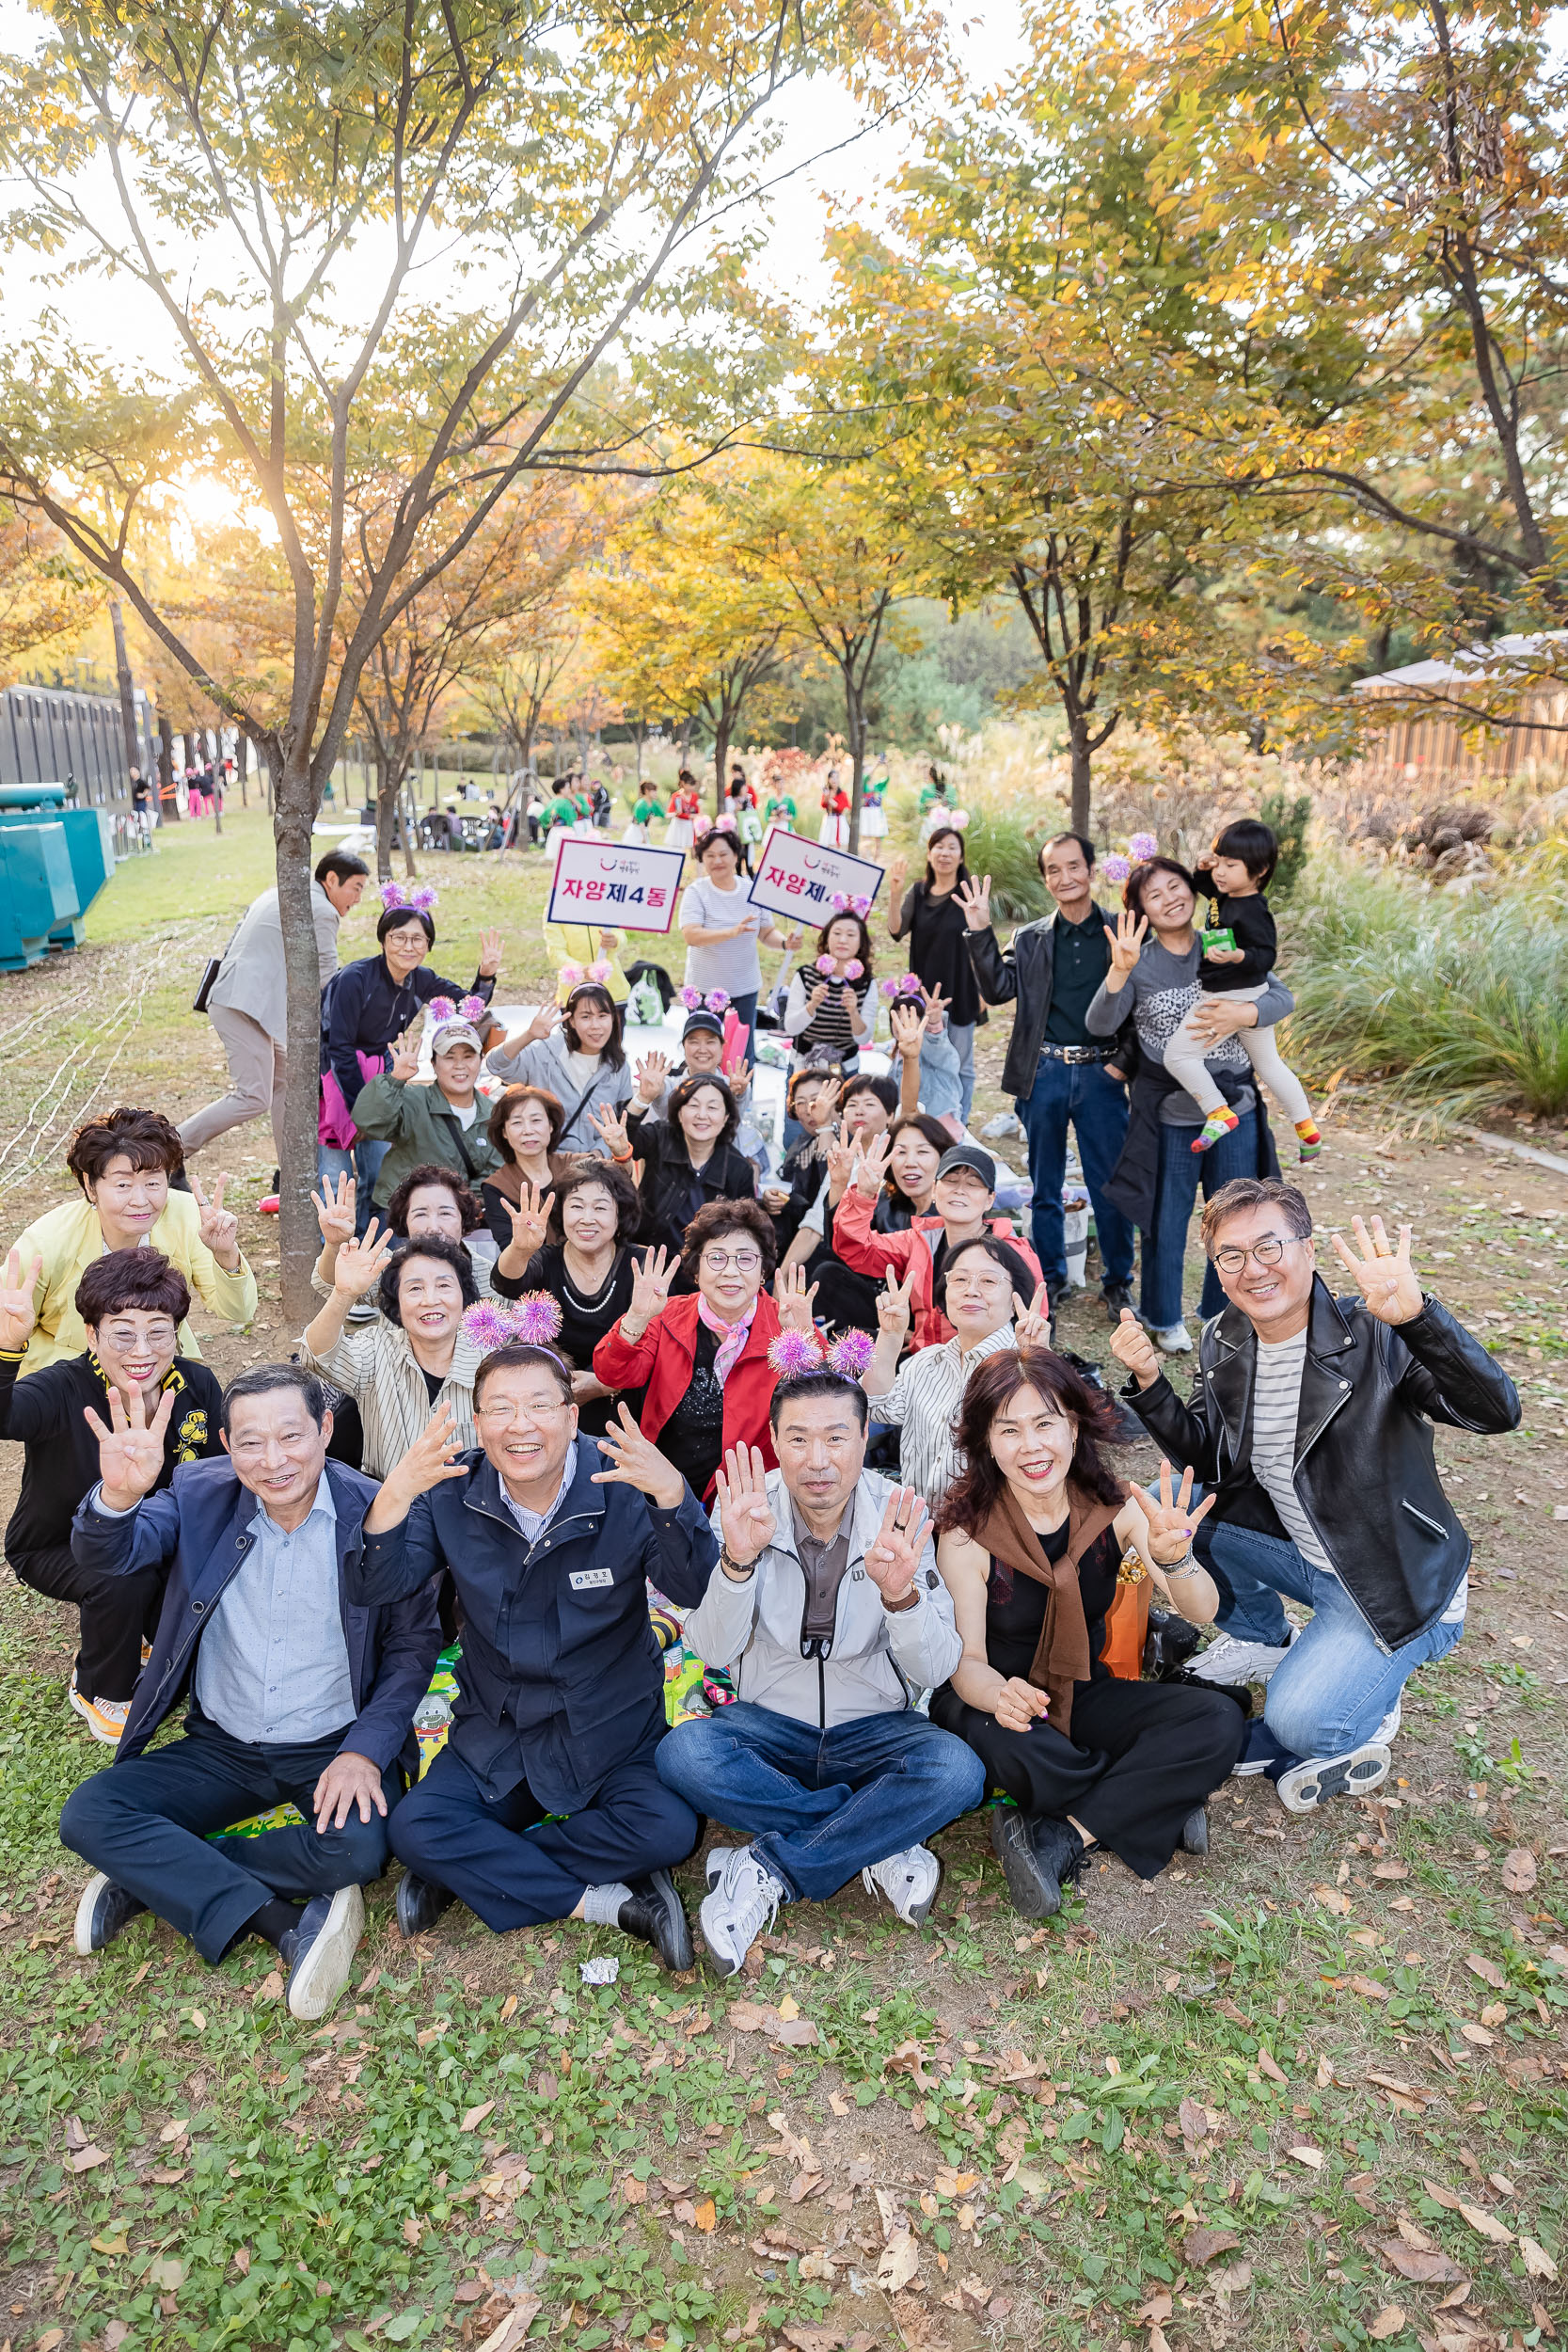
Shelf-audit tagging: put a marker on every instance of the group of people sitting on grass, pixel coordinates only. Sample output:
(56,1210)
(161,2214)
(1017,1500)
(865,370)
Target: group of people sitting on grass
(615,1433)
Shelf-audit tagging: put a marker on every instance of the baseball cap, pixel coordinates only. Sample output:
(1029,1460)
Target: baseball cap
(970,1156)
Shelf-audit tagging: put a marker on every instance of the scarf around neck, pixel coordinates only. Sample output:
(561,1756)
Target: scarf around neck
(1062,1658)
(732,1336)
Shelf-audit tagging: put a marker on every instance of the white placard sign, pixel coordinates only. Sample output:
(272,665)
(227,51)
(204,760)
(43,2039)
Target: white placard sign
(800,878)
(616,883)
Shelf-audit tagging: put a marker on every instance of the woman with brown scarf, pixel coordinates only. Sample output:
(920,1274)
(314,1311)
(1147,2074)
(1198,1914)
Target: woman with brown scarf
(1033,1538)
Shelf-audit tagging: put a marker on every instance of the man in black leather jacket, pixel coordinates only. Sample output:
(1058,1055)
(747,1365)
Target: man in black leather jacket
(1312,1418)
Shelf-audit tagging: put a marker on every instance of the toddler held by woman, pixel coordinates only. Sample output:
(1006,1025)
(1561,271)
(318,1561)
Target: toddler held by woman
(1241,865)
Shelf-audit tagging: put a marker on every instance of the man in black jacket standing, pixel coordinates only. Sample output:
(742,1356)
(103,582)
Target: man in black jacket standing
(1312,1416)
(1061,1076)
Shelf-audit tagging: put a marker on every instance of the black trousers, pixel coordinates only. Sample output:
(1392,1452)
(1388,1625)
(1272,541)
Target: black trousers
(1140,1757)
(115,1613)
(148,1822)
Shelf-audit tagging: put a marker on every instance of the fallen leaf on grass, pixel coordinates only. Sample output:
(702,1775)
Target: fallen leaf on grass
(476,2116)
(633,2191)
(1192,2119)
(748,2016)
(1538,2262)
(789,2007)
(118,2243)
(515,2327)
(707,2216)
(1486,2225)
(270,1988)
(1478,2035)
(50,2338)
(1230,2279)
(899,2263)
(1368,1988)
(804,2185)
(1416,2239)
(1431,2269)
(165,2274)
(812,2339)
(817,2265)
(509,2008)
(798,2033)
(951,2184)
(1441,2196)
(1389,2322)
(115,2334)
(1487,1970)
(86,2159)
(1201,2245)
(1270,2066)
(1332,1900)
(1312,2157)
(1519,1871)
(1391,1870)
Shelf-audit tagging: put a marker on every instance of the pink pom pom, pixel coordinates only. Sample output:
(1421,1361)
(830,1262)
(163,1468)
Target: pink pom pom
(794,1353)
(570,974)
(473,1009)
(441,1009)
(488,1326)
(1116,868)
(717,1000)
(691,997)
(1144,845)
(854,969)
(536,1318)
(890,988)
(391,896)
(850,1353)
(599,970)
(824,963)
(423,897)
(862,906)
(842,902)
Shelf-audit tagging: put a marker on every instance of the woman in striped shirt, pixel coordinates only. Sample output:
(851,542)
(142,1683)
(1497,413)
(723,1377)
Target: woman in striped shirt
(983,1290)
(825,1016)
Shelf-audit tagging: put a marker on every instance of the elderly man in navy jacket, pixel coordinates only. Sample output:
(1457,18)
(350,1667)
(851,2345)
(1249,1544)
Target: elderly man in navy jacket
(300,1693)
(562,1683)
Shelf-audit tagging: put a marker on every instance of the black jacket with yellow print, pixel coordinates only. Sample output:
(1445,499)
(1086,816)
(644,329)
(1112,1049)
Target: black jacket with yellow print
(47,1414)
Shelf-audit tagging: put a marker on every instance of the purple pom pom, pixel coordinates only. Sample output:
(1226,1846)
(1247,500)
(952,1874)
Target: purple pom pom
(391,896)
(794,1353)
(691,997)
(890,988)
(536,1318)
(717,1000)
(851,1353)
(441,1009)
(1144,845)
(423,897)
(473,1009)
(1116,868)
(488,1326)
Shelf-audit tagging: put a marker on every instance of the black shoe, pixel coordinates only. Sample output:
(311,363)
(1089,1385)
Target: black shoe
(1059,1852)
(318,1955)
(656,1915)
(104,1910)
(1117,1296)
(1035,1894)
(1194,1831)
(421,1903)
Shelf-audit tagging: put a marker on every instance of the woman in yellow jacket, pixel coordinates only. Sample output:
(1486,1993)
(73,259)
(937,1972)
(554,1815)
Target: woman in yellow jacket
(123,1164)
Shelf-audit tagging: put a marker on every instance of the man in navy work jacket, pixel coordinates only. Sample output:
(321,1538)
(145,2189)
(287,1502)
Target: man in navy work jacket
(299,1691)
(562,1683)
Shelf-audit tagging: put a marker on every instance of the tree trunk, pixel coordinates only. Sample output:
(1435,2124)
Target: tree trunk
(410,821)
(720,763)
(854,720)
(1078,740)
(167,802)
(298,1236)
(242,764)
(127,692)
(388,789)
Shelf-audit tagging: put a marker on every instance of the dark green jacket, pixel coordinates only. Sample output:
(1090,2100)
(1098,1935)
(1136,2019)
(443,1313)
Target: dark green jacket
(419,1123)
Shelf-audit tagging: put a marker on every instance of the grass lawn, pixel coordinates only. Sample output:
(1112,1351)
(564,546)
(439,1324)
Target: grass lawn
(1307,2094)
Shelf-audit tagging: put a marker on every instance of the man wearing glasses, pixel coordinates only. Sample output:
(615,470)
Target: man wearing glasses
(1312,1416)
(561,1704)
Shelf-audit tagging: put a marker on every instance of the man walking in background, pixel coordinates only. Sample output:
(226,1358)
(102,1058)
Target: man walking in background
(247,1003)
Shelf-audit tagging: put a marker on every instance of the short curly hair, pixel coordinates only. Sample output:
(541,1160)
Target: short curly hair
(132,1281)
(444,1252)
(716,1218)
(415,1180)
(554,1110)
(588,1169)
(146,1138)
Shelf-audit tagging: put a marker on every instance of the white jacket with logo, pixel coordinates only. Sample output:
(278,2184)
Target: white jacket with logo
(878,1660)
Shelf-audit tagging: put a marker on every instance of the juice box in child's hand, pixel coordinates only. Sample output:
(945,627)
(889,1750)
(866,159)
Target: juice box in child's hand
(1216,939)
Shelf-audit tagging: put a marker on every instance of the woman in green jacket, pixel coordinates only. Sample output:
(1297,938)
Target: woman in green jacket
(446,1122)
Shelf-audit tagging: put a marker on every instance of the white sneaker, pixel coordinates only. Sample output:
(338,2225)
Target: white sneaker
(908,1880)
(103,1718)
(718,1858)
(1355,1773)
(1175,1340)
(733,1915)
(1229,1660)
(319,1953)
(1385,1734)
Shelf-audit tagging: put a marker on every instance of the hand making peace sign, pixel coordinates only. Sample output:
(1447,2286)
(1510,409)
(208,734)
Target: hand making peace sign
(219,1227)
(893,1304)
(17,1317)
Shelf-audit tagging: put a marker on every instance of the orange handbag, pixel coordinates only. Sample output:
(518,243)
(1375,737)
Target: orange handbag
(1126,1620)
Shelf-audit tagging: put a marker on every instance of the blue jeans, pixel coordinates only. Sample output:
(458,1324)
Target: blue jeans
(820,1806)
(746,1011)
(1335,1684)
(1083,1095)
(363,1163)
(962,1037)
(1181,1170)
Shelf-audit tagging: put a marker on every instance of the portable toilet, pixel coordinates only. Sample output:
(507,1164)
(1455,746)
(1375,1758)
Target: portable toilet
(54,862)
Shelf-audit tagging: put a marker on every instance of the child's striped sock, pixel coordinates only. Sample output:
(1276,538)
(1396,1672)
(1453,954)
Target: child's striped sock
(1308,1135)
(1218,1123)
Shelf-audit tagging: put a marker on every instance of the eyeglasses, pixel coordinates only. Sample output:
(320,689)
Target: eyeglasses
(1268,1252)
(744,1260)
(504,1412)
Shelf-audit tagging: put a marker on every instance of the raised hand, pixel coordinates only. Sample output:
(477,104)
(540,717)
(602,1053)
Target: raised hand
(651,1072)
(489,954)
(650,1289)
(869,1166)
(1127,941)
(335,1211)
(1032,1324)
(1131,1345)
(542,1022)
(17,1317)
(530,1218)
(219,1227)
(131,1450)
(360,1264)
(841,1159)
(1019,1704)
(792,1299)
(405,1059)
(908,1024)
(893,1304)
(740,1080)
(608,1126)
(937,1008)
(636,1461)
(1171,1524)
(1383,1275)
(975,898)
(745,1514)
(893,1554)
(428,1460)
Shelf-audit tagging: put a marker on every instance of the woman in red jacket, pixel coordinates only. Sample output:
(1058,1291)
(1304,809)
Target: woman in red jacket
(704,1356)
(965,1190)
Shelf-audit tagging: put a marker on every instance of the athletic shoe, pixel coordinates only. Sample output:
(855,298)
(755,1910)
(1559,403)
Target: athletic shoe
(1229,1660)
(104,1910)
(1355,1773)
(1037,1858)
(1194,1831)
(733,1915)
(1385,1734)
(654,1915)
(318,1955)
(421,1903)
(1173,1339)
(908,1880)
(103,1718)
(1117,1296)
(717,1857)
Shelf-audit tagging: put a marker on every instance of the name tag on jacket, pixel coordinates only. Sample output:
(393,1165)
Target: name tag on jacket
(591,1580)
